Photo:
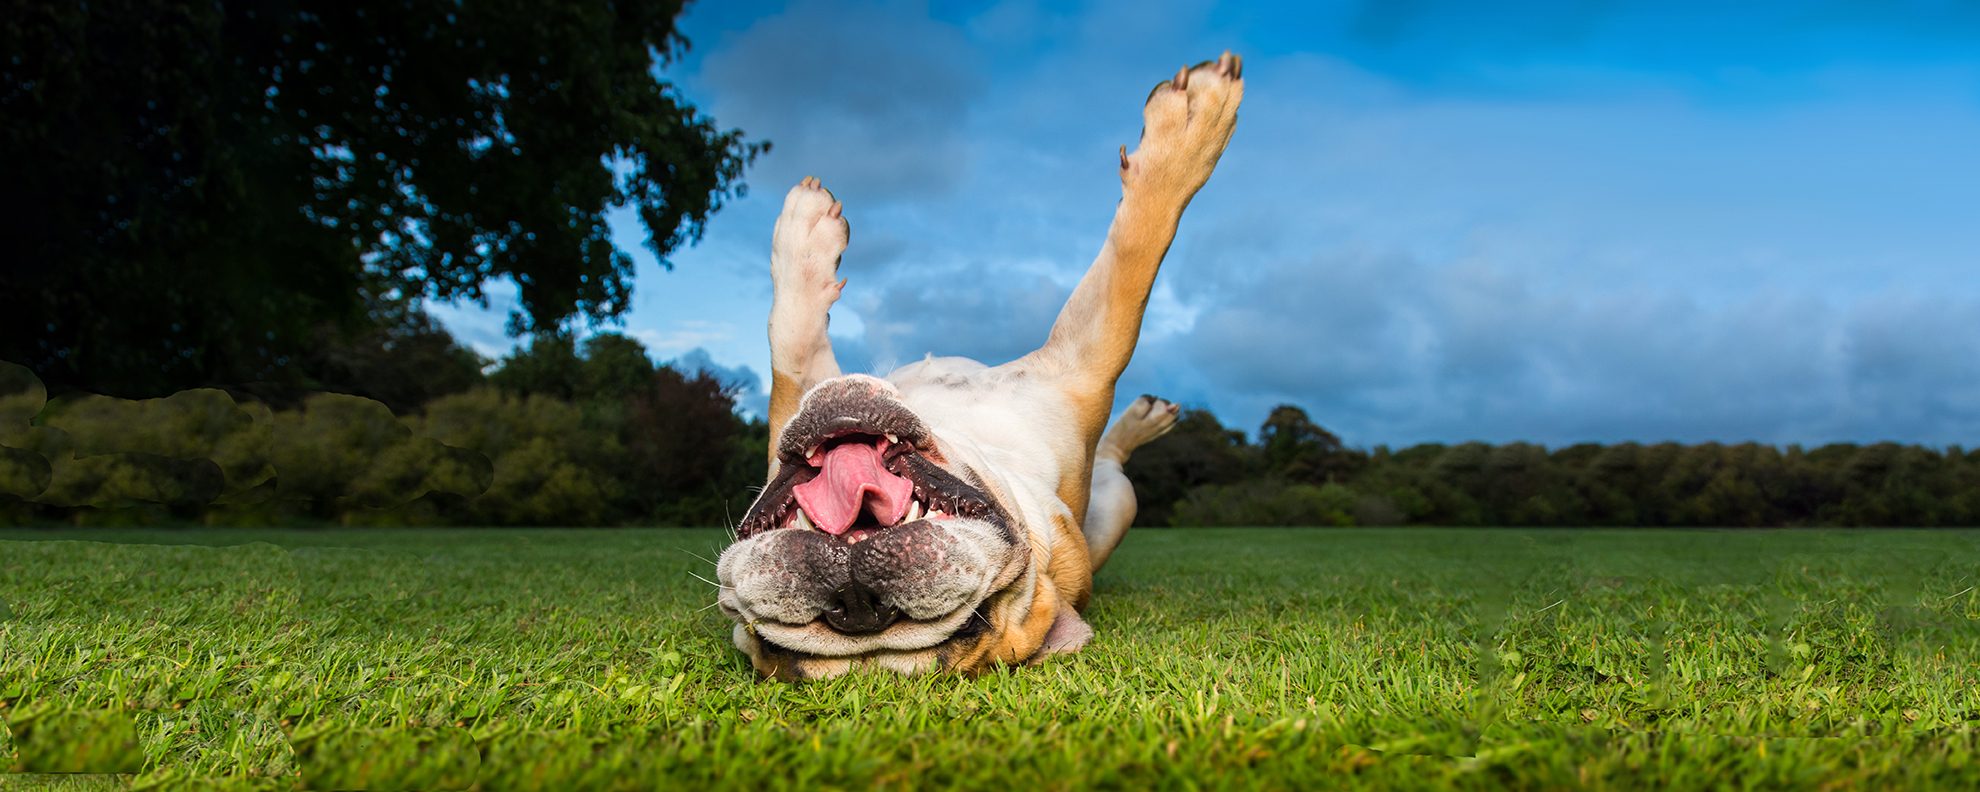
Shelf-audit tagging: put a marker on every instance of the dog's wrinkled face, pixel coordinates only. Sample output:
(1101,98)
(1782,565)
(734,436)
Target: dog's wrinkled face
(940,518)
(875,543)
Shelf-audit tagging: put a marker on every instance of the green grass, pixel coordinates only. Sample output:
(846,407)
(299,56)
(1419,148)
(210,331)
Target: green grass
(1225,658)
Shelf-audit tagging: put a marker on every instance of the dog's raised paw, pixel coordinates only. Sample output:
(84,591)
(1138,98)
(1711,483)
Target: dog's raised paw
(1187,121)
(810,237)
(1147,418)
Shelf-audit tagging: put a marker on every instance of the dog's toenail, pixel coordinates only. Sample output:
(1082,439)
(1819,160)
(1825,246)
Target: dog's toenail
(1124,162)
(1182,78)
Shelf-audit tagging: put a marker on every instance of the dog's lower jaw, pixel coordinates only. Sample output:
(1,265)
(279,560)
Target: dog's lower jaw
(975,644)
(1024,619)
(1036,419)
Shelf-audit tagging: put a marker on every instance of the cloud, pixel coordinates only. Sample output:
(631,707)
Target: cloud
(688,334)
(1914,359)
(958,310)
(875,99)
(741,380)
(1620,226)
(1390,349)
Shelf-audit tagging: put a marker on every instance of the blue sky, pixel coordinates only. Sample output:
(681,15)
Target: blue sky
(1438,221)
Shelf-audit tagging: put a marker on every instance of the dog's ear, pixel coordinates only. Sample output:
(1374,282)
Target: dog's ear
(1069,633)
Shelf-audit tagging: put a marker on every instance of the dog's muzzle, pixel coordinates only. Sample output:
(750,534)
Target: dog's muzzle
(864,540)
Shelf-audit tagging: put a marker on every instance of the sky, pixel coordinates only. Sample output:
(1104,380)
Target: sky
(1438,220)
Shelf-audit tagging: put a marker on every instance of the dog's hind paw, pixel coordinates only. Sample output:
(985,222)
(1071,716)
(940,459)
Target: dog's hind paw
(1147,418)
(1187,121)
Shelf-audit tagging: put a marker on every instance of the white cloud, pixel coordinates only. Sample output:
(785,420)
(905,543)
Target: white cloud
(682,336)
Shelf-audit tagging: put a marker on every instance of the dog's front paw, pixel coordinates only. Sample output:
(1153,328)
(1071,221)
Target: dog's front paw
(810,237)
(1186,123)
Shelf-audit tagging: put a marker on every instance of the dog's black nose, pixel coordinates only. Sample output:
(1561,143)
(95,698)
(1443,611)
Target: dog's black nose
(858,610)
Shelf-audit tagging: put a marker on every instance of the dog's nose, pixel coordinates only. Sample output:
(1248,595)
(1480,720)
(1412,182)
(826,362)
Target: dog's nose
(858,610)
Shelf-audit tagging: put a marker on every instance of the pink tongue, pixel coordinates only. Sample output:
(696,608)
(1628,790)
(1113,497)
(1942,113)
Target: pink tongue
(852,474)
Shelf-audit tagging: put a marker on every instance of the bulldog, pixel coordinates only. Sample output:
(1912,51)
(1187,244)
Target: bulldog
(951,515)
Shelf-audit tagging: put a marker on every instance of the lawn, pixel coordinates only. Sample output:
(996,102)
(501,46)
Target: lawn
(1225,658)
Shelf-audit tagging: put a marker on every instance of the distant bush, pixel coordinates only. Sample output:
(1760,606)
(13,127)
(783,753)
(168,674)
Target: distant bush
(595,434)
(630,444)
(1266,503)
(1298,473)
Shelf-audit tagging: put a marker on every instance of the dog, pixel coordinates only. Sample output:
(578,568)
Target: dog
(950,516)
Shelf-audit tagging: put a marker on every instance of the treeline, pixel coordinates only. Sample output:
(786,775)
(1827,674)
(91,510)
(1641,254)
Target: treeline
(1298,473)
(559,434)
(593,433)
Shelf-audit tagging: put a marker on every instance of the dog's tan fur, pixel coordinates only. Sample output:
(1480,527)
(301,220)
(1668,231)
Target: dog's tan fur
(1072,376)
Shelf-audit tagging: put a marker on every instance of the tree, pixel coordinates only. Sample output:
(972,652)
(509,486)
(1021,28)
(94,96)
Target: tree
(616,367)
(680,433)
(1298,449)
(195,189)
(1198,451)
(404,362)
(549,366)
(607,367)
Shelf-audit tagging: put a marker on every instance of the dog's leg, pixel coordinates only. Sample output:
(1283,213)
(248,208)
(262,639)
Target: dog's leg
(810,236)
(1187,122)
(1111,508)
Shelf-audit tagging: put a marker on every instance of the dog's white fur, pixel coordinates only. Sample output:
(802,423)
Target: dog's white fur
(1030,428)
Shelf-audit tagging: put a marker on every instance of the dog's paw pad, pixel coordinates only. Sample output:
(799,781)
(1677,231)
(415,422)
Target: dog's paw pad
(1187,121)
(811,235)
(1152,416)
(1149,417)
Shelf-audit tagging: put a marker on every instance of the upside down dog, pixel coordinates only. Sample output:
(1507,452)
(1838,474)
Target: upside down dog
(951,515)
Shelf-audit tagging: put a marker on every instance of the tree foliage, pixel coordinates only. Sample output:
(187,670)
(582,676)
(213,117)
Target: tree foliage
(629,443)
(197,190)
(595,434)
(1299,473)
(1200,451)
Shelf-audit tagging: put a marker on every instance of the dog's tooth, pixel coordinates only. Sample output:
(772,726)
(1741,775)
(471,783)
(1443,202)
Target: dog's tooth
(914,512)
(801,521)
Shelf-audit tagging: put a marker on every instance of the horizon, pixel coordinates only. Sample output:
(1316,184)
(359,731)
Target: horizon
(1632,222)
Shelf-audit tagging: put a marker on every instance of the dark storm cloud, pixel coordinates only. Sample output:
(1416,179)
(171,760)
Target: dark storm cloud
(873,100)
(957,310)
(1915,359)
(1389,349)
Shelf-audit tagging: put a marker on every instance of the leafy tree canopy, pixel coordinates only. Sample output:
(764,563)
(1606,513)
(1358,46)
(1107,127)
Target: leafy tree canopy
(197,189)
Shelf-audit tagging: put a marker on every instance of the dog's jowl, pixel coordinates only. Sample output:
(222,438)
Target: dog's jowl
(951,515)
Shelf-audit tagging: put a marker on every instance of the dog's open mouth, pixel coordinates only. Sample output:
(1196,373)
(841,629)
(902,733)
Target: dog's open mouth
(854,482)
(867,537)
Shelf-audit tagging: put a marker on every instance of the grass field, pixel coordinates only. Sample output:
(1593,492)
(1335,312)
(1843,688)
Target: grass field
(1225,658)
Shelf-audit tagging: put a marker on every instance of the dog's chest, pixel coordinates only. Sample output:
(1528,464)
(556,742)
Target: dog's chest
(999,424)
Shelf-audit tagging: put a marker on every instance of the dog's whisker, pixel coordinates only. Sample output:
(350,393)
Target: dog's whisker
(709,582)
(698,556)
(896,488)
